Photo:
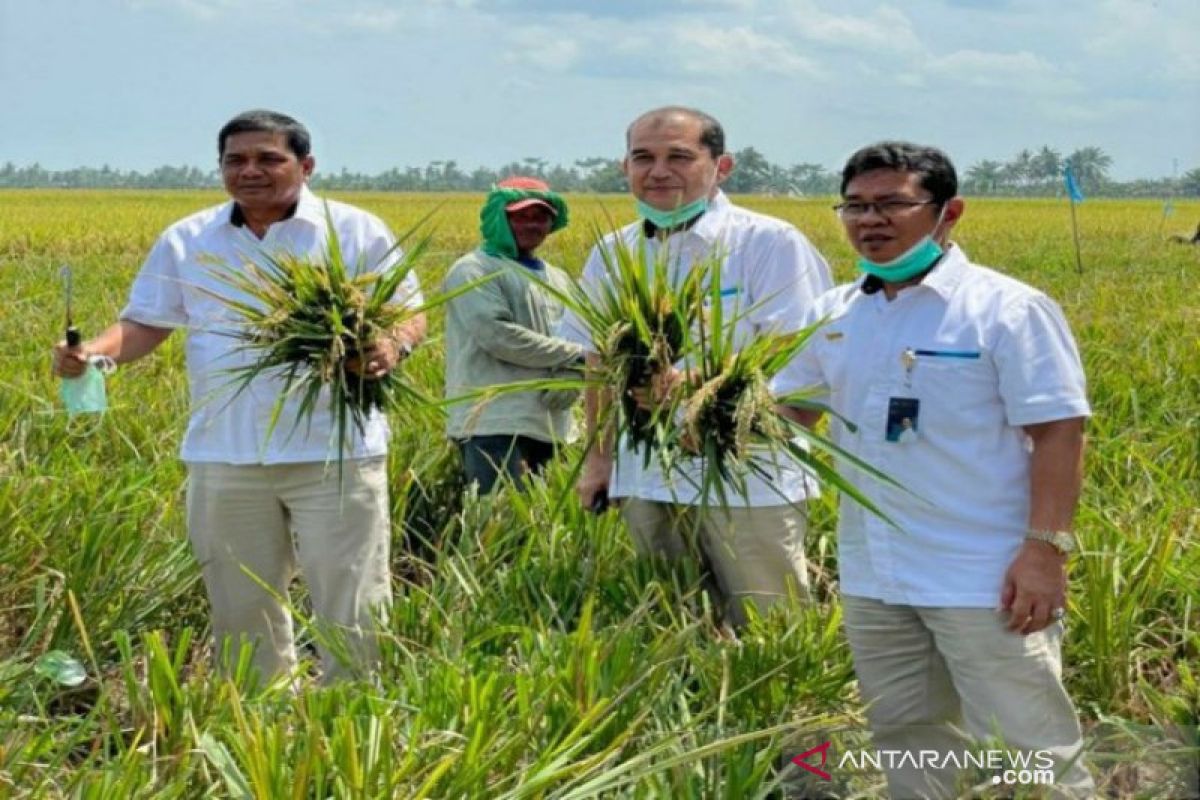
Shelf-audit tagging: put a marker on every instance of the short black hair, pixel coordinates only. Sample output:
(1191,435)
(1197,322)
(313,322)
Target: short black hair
(935,168)
(712,135)
(261,120)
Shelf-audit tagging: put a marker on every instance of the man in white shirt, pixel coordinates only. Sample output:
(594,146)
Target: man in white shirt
(255,505)
(676,161)
(966,387)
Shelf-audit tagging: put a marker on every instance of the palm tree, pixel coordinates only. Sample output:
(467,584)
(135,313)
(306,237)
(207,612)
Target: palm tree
(985,176)
(1047,165)
(1090,165)
(1189,183)
(1020,169)
(750,172)
(809,178)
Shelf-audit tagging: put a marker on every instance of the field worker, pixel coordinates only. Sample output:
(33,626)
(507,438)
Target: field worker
(675,162)
(953,615)
(257,506)
(502,331)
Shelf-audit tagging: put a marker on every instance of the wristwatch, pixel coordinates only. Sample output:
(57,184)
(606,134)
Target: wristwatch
(404,348)
(1062,541)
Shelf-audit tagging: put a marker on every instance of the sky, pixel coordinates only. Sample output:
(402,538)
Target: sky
(139,83)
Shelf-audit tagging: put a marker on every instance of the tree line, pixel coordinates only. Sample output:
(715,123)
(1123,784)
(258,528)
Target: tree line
(1030,173)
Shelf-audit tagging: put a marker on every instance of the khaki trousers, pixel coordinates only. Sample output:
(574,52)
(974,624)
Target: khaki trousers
(755,554)
(267,520)
(928,673)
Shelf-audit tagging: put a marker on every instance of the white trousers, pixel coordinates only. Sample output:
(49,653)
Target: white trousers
(930,674)
(251,526)
(756,554)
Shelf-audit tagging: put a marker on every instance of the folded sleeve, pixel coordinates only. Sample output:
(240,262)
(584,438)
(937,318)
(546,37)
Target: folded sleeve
(804,371)
(572,327)
(156,297)
(1039,371)
(382,253)
(785,283)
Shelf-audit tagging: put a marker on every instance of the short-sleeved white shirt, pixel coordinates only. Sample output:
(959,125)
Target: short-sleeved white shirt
(986,354)
(770,276)
(171,291)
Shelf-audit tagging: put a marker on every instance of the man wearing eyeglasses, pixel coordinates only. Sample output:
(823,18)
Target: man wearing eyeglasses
(965,386)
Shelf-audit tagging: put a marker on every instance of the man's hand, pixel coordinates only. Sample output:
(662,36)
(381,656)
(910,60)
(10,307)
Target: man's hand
(664,386)
(69,362)
(594,478)
(378,358)
(1034,586)
(123,342)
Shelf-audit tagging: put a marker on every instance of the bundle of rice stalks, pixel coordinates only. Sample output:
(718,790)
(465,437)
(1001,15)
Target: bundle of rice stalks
(307,322)
(640,321)
(647,316)
(731,420)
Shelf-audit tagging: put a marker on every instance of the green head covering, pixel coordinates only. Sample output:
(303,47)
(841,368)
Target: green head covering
(493,218)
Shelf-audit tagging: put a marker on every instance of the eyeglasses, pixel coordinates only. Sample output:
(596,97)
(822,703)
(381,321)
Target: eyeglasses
(855,209)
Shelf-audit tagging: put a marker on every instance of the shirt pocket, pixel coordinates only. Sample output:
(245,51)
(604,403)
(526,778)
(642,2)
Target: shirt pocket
(957,389)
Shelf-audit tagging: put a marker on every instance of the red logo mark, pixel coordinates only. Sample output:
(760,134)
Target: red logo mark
(802,760)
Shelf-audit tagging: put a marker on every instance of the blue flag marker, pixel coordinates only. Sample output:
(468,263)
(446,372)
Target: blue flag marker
(1076,196)
(1073,190)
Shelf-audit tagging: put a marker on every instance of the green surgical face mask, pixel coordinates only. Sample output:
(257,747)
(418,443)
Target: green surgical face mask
(666,220)
(909,264)
(86,394)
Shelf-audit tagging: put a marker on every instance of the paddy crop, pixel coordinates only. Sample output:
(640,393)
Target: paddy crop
(529,653)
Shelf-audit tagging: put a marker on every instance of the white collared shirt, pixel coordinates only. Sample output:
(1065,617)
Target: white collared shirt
(770,277)
(986,354)
(171,291)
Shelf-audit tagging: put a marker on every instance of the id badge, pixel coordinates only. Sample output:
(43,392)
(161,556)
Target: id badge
(903,420)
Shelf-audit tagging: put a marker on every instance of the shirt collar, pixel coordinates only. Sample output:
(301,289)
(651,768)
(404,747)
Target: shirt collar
(943,278)
(947,273)
(707,225)
(307,207)
(712,222)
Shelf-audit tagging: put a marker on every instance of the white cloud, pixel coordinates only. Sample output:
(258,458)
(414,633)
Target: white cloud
(376,15)
(1090,111)
(707,50)
(610,9)
(1160,32)
(885,30)
(374,19)
(542,48)
(1021,71)
(203,10)
(611,48)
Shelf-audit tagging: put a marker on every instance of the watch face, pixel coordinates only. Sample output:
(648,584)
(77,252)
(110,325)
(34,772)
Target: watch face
(1060,540)
(1064,542)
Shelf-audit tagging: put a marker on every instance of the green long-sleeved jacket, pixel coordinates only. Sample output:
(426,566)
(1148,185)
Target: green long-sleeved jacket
(501,332)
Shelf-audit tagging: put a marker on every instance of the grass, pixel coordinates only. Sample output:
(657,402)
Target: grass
(529,653)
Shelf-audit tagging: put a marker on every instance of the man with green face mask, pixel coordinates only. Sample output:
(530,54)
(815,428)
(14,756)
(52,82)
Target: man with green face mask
(966,387)
(501,332)
(770,274)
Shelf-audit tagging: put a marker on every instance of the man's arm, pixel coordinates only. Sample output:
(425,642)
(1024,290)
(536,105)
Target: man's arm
(597,464)
(381,357)
(123,342)
(1036,581)
(485,313)
(802,416)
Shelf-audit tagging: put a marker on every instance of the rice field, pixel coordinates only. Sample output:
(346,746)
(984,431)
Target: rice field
(529,653)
